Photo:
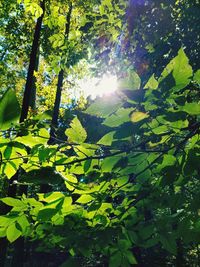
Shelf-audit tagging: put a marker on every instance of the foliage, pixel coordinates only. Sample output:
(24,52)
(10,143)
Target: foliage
(147,162)
(119,184)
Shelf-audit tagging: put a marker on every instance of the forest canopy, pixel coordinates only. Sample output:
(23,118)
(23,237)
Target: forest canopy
(108,180)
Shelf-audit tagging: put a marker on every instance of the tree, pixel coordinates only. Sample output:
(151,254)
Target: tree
(125,197)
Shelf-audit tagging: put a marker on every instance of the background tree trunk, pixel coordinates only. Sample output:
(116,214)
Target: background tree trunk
(54,122)
(32,66)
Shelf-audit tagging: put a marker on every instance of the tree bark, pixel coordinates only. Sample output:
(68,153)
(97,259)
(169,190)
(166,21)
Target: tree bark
(54,122)
(32,66)
(33,90)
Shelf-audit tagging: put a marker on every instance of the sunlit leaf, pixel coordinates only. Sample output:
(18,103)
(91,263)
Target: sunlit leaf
(181,70)
(152,83)
(119,117)
(12,202)
(191,108)
(138,116)
(104,107)
(196,77)
(84,199)
(9,110)
(130,82)
(13,232)
(76,134)
(107,139)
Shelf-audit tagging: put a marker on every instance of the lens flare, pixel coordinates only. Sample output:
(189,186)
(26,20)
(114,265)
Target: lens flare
(99,86)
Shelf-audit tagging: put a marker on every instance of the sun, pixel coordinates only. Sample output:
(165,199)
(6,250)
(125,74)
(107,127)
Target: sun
(94,87)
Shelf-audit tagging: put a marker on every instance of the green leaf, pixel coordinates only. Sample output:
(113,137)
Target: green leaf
(103,107)
(12,232)
(71,178)
(109,163)
(32,140)
(130,257)
(152,83)
(50,197)
(169,243)
(7,152)
(87,165)
(160,129)
(12,202)
(115,259)
(84,199)
(23,223)
(146,231)
(169,160)
(124,244)
(6,220)
(72,262)
(191,108)
(196,77)
(138,116)
(107,139)
(120,116)
(76,134)
(181,70)
(9,169)
(9,110)
(131,81)
(46,214)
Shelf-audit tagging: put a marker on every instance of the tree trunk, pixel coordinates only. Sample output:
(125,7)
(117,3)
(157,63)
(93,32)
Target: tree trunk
(33,89)
(32,66)
(54,122)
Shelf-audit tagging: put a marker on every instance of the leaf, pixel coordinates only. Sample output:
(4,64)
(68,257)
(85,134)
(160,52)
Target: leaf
(71,178)
(9,169)
(107,139)
(46,214)
(169,160)
(115,259)
(138,116)
(72,262)
(160,129)
(131,81)
(76,134)
(12,202)
(109,163)
(7,152)
(45,153)
(130,257)
(169,243)
(12,233)
(9,110)
(87,165)
(84,199)
(181,70)
(152,83)
(6,220)
(196,77)
(104,107)
(120,116)
(125,131)
(50,197)
(146,231)
(31,140)
(23,223)
(191,108)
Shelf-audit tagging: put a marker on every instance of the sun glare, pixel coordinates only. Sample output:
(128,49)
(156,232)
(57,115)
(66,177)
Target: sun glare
(99,86)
